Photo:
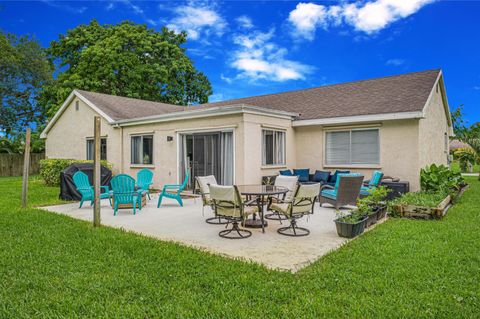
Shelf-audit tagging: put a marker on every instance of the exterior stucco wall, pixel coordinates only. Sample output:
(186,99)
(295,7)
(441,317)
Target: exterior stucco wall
(433,132)
(398,150)
(68,137)
(252,157)
(165,153)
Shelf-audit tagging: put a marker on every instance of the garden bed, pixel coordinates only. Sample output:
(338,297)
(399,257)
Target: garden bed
(427,212)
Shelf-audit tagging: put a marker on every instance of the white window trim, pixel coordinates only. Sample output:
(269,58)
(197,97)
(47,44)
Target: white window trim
(274,165)
(133,165)
(371,165)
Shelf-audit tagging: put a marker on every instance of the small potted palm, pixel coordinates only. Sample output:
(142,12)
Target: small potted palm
(351,224)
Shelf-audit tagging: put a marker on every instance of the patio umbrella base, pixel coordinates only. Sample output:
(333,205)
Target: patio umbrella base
(254,223)
(216,221)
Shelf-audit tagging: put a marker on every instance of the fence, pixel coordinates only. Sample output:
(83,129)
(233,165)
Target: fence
(12,164)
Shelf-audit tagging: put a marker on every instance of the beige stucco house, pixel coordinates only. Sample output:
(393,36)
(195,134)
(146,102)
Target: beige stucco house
(397,124)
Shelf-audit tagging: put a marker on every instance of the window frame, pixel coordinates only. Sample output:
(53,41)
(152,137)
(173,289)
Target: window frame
(350,165)
(132,136)
(274,157)
(91,139)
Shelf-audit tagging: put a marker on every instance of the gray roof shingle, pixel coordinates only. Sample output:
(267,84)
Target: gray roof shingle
(401,93)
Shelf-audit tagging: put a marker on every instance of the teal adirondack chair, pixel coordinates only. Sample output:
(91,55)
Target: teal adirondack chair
(123,187)
(86,190)
(173,191)
(144,180)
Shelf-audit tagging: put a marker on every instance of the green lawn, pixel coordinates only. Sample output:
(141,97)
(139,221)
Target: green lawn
(456,167)
(55,266)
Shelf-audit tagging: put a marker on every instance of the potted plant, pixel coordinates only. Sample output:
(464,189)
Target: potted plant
(351,224)
(376,200)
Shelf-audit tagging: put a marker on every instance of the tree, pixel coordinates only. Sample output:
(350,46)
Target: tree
(24,70)
(126,59)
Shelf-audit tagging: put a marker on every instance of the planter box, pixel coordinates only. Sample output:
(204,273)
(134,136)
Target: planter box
(423,211)
(381,212)
(350,230)
(372,219)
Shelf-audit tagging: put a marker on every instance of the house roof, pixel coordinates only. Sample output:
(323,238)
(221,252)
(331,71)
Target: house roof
(394,94)
(122,108)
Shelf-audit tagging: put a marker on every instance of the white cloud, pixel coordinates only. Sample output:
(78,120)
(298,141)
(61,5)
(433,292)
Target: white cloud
(476,87)
(259,58)
(197,21)
(368,17)
(244,22)
(395,62)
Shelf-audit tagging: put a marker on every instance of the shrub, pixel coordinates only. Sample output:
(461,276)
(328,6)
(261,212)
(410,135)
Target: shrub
(51,168)
(440,178)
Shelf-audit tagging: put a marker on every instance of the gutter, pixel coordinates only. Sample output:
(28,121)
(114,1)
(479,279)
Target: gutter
(360,119)
(207,112)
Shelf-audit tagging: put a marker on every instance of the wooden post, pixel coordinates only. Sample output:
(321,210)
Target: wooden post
(26,166)
(96,172)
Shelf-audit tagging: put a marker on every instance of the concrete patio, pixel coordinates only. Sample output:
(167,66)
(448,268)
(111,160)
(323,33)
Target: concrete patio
(187,226)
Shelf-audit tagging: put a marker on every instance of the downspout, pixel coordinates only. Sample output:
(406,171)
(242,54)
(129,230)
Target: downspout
(121,151)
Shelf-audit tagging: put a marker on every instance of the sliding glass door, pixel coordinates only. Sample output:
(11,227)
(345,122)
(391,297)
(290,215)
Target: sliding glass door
(204,154)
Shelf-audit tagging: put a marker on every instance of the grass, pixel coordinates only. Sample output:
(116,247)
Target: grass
(456,167)
(55,266)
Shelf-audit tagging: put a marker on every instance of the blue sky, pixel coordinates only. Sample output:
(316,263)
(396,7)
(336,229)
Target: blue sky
(257,47)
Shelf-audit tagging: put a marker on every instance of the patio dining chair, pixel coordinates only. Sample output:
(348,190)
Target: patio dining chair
(173,191)
(80,179)
(203,183)
(373,183)
(144,180)
(290,183)
(302,203)
(228,204)
(345,192)
(124,193)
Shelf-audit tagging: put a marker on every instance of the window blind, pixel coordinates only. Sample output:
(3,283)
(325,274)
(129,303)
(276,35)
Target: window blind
(352,147)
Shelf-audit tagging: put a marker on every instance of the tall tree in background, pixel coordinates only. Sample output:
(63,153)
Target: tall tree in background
(24,70)
(125,59)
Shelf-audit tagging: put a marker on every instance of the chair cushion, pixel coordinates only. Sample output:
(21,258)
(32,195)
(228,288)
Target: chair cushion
(249,210)
(333,178)
(279,208)
(321,176)
(302,174)
(330,193)
(376,178)
(286,172)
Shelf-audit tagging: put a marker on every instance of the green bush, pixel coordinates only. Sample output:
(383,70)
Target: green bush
(51,168)
(440,178)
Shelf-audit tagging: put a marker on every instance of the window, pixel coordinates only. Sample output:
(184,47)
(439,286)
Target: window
(273,147)
(103,149)
(142,149)
(354,147)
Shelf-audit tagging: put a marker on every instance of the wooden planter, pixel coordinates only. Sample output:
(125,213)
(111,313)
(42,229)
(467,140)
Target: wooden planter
(423,211)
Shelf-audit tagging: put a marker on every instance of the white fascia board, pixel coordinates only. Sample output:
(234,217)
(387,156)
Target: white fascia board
(66,104)
(202,113)
(360,119)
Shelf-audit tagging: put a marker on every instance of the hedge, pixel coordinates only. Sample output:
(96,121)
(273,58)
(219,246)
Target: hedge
(51,168)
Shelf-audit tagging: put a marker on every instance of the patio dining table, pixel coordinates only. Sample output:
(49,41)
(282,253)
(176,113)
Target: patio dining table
(261,192)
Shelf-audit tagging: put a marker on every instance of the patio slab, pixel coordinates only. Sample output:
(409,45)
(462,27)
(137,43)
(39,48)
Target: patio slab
(187,226)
